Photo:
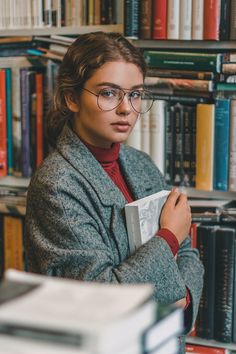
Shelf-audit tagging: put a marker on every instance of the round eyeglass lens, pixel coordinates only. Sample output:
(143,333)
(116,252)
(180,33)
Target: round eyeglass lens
(142,104)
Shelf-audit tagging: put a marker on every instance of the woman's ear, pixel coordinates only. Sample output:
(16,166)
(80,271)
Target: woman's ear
(71,104)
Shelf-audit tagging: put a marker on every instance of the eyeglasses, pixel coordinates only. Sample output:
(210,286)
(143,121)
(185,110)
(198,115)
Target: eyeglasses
(110,98)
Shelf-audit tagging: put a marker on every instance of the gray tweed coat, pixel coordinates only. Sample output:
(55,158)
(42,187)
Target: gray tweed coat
(75,225)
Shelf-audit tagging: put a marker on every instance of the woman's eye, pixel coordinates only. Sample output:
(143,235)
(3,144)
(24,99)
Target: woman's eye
(108,93)
(135,94)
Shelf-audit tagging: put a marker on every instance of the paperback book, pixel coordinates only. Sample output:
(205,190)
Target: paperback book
(142,218)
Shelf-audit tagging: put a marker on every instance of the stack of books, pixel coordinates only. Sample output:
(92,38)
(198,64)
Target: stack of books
(39,313)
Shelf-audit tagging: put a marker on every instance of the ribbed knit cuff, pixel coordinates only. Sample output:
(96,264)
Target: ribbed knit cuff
(170,238)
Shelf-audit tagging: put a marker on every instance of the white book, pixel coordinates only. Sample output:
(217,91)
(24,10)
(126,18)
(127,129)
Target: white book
(197,19)
(173,19)
(134,138)
(100,318)
(142,218)
(145,130)
(157,134)
(185,25)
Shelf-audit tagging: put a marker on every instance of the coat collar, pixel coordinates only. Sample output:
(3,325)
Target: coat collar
(78,155)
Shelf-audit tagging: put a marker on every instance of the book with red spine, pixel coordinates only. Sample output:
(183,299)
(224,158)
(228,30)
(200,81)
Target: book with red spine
(211,20)
(159,30)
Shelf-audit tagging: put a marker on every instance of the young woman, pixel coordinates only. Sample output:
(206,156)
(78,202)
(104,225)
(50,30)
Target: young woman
(75,210)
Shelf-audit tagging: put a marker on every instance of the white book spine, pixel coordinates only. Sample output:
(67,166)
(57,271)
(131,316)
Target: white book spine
(232,152)
(157,134)
(68,13)
(197,19)
(185,25)
(173,19)
(145,130)
(48,13)
(134,138)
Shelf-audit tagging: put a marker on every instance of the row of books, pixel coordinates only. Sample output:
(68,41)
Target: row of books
(58,315)
(216,317)
(25,92)
(49,13)
(192,144)
(180,19)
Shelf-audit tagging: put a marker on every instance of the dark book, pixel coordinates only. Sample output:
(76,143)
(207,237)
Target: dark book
(145,25)
(206,246)
(224,284)
(232,32)
(1,247)
(224,28)
(169,143)
(184,60)
(181,74)
(189,145)
(131,18)
(177,135)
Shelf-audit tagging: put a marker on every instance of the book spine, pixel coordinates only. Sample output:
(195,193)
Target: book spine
(206,246)
(13,242)
(169,144)
(173,17)
(205,146)
(232,31)
(185,24)
(159,19)
(3,124)
(181,74)
(221,158)
(211,19)
(1,248)
(224,30)
(189,146)
(131,18)
(145,130)
(9,121)
(39,118)
(178,144)
(225,255)
(145,26)
(183,61)
(177,84)
(197,19)
(97,12)
(25,113)
(157,133)
(232,148)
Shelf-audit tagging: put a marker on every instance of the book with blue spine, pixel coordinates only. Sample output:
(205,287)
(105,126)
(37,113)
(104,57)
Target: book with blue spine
(9,121)
(221,156)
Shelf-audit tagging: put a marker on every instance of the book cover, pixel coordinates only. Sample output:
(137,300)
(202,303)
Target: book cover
(3,125)
(145,25)
(142,218)
(204,349)
(225,283)
(169,324)
(224,28)
(13,242)
(157,133)
(232,147)
(189,145)
(221,151)
(178,133)
(173,19)
(205,134)
(9,121)
(185,22)
(159,30)
(131,18)
(211,19)
(232,31)
(184,60)
(169,143)
(197,19)
(206,246)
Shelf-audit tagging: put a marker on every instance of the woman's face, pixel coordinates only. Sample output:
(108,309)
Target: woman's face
(102,128)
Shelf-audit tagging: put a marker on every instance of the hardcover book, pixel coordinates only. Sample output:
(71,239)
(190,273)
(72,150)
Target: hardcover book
(142,218)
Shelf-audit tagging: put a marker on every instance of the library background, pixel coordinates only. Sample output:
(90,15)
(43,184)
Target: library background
(190,132)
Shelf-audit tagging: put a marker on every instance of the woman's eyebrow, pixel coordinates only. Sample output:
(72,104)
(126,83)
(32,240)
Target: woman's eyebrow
(111,84)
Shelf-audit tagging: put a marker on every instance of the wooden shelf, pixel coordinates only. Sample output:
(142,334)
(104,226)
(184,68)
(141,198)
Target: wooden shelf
(185,44)
(210,342)
(47,31)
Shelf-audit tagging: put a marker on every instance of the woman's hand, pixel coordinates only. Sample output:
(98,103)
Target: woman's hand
(176,215)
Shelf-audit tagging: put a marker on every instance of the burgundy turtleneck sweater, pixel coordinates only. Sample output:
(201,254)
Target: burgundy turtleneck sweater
(109,160)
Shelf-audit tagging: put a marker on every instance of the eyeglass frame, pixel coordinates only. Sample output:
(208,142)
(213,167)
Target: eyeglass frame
(122,90)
